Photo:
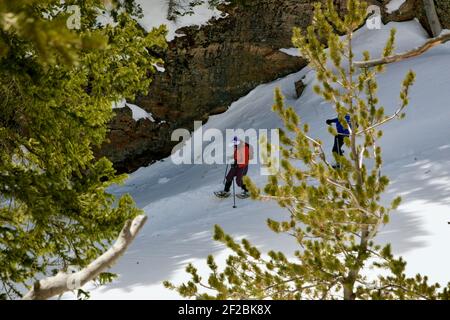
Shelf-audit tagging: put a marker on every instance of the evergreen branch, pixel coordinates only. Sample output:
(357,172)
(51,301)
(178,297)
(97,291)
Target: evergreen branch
(392,286)
(292,198)
(378,124)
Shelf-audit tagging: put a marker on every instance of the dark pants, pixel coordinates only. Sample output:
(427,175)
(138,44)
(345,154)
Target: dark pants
(338,143)
(239,173)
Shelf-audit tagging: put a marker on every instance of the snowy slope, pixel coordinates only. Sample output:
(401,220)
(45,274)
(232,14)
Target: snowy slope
(182,210)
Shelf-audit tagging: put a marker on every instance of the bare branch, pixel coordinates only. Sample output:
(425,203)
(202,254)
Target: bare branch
(63,282)
(406,55)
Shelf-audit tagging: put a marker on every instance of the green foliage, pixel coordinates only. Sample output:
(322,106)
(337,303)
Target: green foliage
(334,214)
(57,87)
(83,295)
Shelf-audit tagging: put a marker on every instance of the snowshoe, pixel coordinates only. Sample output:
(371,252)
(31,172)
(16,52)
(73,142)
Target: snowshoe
(336,166)
(221,194)
(243,195)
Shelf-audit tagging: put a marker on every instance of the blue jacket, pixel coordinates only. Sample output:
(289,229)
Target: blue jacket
(339,127)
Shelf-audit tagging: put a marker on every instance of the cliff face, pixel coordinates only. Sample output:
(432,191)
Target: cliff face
(206,70)
(133,144)
(443,11)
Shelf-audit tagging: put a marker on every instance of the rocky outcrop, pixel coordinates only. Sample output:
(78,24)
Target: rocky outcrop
(206,70)
(131,143)
(404,13)
(299,87)
(443,11)
(411,9)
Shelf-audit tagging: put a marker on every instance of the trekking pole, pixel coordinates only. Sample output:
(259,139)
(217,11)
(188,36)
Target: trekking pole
(234,195)
(225,176)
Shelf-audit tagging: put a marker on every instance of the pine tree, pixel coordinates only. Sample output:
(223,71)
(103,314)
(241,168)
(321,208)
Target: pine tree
(57,87)
(335,214)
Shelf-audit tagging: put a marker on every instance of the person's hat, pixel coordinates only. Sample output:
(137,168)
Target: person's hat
(235,141)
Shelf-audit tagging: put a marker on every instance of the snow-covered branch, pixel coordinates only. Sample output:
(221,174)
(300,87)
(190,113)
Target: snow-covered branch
(62,282)
(406,55)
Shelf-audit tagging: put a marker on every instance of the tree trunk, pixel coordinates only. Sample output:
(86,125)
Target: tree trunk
(63,282)
(348,292)
(433,18)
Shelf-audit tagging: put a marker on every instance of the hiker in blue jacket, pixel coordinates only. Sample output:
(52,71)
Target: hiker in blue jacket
(342,132)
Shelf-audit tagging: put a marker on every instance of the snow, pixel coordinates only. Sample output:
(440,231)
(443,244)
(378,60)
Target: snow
(163,180)
(155,14)
(119,104)
(159,68)
(182,211)
(291,51)
(394,5)
(138,112)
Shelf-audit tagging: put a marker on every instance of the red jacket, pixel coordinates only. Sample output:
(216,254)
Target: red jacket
(242,155)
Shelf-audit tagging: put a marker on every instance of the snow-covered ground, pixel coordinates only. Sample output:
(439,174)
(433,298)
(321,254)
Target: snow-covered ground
(182,210)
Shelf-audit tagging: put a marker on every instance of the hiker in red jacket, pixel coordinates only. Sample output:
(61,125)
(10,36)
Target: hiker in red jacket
(243,153)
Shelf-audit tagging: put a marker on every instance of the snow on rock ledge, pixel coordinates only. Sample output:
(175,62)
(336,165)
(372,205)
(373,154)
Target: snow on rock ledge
(155,14)
(138,112)
(291,51)
(394,5)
